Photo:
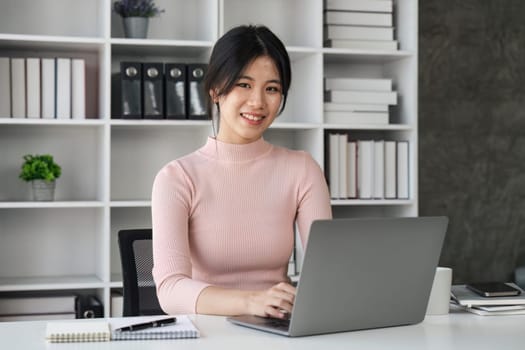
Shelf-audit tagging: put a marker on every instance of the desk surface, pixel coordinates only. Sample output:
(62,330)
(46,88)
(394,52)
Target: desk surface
(457,330)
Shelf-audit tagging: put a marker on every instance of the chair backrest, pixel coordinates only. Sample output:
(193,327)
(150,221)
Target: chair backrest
(136,256)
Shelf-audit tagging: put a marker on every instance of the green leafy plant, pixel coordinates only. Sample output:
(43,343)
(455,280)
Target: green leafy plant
(136,8)
(40,167)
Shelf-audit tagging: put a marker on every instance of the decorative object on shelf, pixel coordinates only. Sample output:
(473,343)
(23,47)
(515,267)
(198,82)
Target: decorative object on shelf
(42,172)
(135,16)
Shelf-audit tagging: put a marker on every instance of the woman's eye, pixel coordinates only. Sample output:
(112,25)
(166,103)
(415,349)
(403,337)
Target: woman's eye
(243,85)
(274,89)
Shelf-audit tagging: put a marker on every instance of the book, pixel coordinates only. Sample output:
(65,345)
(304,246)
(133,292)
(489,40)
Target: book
(48,88)
(153,90)
(390,170)
(63,88)
(5,87)
(175,90)
(357,18)
(343,165)
(333,175)
(365,97)
(78,88)
(18,88)
(99,330)
(37,303)
(465,297)
(352,169)
(379,169)
(33,87)
(365,169)
(354,107)
(358,84)
(402,170)
(375,118)
(359,5)
(384,45)
(358,32)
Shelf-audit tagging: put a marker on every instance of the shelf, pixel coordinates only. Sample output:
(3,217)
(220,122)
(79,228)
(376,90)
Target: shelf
(50,283)
(160,122)
(54,204)
(333,55)
(371,202)
(130,204)
(36,121)
(403,127)
(46,42)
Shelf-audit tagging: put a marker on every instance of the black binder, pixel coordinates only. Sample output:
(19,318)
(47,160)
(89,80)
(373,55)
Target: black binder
(131,90)
(153,90)
(196,94)
(88,306)
(175,89)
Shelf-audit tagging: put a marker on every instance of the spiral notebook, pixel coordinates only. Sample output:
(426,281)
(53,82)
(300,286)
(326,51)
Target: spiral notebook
(104,330)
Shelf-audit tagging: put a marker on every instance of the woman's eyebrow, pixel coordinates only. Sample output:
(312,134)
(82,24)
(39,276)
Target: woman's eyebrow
(247,77)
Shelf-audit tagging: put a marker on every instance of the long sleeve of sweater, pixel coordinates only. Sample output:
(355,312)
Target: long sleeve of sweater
(225,215)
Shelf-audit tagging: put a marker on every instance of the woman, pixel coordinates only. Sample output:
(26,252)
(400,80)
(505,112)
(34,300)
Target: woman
(223,216)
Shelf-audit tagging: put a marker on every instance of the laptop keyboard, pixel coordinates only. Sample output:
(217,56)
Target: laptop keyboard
(278,323)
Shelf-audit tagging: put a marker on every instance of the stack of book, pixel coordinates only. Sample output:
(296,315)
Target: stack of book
(367,169)
(358,100)
(467,300)
(42,306)
(49,88)
(357,24)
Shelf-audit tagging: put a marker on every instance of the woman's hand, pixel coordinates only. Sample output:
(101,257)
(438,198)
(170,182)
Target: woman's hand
(277,301)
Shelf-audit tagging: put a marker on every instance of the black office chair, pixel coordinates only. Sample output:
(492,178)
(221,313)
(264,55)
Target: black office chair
(136,256)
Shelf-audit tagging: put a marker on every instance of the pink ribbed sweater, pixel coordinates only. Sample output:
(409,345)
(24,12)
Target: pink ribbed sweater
(224,215)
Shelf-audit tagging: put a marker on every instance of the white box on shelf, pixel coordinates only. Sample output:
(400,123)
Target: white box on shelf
(390,170)
(63,88)
(402,170)
(365,97)
(351,18)
(360,5)
(365,169)
(78,88)
(5,87)
(48,88)
(384,45)
(376,118)
(358,84)
(358,33)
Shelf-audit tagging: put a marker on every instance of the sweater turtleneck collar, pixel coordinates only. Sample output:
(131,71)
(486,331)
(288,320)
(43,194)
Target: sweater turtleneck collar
(233,152)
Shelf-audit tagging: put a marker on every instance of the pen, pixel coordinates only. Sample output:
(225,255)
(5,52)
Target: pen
(145,325)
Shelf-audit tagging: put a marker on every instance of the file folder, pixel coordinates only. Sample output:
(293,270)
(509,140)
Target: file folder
(153,90)
(175,90)
(33,87)
(131,90)
(18,87)
(63,86)
(5,87)
(196,93)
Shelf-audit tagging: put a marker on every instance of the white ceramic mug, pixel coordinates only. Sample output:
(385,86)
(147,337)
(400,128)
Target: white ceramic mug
(438,303)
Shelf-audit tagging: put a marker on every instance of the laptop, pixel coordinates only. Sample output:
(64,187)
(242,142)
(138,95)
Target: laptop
(361,274)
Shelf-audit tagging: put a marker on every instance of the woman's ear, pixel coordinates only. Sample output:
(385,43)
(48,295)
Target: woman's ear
(214,96)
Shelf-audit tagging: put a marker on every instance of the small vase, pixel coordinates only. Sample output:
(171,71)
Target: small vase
(136,27)
(43,190)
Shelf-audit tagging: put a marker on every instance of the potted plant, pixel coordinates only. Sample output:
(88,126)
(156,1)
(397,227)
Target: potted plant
(135,16)
(42,172)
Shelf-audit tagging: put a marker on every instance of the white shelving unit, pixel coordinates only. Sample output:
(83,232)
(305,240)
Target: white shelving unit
(109,164)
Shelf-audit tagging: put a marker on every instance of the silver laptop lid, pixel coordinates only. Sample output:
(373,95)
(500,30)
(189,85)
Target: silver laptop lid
(366,273)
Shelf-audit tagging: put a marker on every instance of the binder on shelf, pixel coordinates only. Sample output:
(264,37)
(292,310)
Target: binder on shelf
(384,45)
(352,169)
(358,33)
(175,90)
(18,88)
(379,169)
(358,84)
(78,88)
(333,166)
(358,18)
(5,87)
(402,170)
(365,169)
(390,170)
(196,94)
(33,87)
(343,166)
(48,84)
(131,90)
(364,97)
(153,90)
(63,88)
(88,306)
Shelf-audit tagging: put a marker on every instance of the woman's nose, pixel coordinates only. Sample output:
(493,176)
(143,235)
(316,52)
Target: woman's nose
(256,98)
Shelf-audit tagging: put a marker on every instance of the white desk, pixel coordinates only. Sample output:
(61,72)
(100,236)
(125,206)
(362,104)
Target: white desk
(455,331)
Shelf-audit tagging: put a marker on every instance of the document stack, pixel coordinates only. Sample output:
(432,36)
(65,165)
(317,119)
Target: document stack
(367,169)
(49,88)
(467,300)
(358,100)
(30,307)
(357,24)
